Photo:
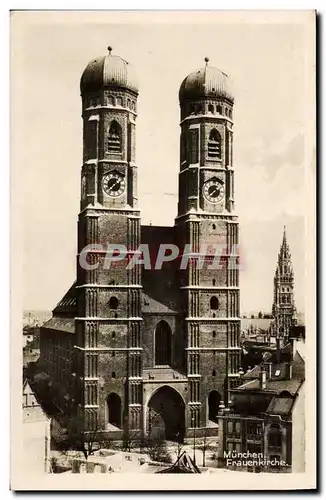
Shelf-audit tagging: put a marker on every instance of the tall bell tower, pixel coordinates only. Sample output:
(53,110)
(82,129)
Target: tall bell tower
(284,311)
(206,222)
(108,362)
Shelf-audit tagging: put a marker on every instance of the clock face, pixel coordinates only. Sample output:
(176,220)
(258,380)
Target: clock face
(213,191)
(114,184)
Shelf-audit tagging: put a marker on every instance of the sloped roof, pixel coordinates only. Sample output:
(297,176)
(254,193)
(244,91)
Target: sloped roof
(280,406)
(67,306)
(66,325)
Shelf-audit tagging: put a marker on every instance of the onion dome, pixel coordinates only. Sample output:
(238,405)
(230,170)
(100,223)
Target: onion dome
(206,82)
(109,71)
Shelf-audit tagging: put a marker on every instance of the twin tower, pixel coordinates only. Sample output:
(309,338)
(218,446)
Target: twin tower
(155,350)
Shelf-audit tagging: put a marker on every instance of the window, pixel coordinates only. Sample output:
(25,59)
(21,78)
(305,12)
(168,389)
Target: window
(113,303)
(214,145)
(119,101)
(113,335)
(213,373)
(114,138)
(128,103)
(110,100)
(163,344)
(214,282)
(219,109)
(113,354)
(214,333)
(214,303)
(211,108)
(193,145)
(213,227)
(113,375)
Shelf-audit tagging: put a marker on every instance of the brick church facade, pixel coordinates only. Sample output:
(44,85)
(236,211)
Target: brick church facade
(145,348)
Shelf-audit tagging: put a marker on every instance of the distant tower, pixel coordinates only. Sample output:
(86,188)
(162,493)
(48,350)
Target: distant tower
(284,311)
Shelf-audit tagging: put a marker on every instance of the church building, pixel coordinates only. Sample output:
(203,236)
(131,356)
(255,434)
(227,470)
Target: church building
(141,348)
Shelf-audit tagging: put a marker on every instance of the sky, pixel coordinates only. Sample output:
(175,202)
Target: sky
(272,161)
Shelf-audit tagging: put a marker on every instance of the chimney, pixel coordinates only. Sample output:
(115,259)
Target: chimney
(262,378)
(278,350)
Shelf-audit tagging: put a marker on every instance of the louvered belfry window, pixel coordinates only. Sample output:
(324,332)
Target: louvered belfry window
(214,144)
(114,139)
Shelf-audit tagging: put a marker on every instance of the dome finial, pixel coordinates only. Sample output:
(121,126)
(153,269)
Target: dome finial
(206,60)
(109,49)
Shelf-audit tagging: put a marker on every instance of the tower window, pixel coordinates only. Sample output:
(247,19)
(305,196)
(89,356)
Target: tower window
(113,354)
(113,375)
(211,108)
(192,109)
(113,335)
(213,373)
(214,303)
(214,144)
(128,103)
(213,227)
(114,138)
(113,303)
(193,144)
(214,282)
(111,100)
(219,109)
(214,333)
(119,101)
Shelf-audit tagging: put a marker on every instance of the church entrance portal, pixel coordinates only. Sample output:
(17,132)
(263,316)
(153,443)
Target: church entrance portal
(166,415)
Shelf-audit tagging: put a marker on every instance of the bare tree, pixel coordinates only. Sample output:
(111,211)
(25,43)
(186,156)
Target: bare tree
(204,446)
(76,437)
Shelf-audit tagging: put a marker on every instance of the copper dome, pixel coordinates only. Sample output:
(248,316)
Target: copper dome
(206,82)
(108,71)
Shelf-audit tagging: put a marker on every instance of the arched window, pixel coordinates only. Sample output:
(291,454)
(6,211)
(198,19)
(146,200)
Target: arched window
(214,333)
(111,100)
(211,108)
(213,373)
(163,344)
(114,409)
(214,282)
(219,109)
(128,103)
(113,335)
(214,303)
(119,101)
(113,303)
(214,144)
(213,227)
(113,375)
(114,138)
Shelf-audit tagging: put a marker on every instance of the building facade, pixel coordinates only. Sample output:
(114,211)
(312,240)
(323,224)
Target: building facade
(262,428)
(142,348)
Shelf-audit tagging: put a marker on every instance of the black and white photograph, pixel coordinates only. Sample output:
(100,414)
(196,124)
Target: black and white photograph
(163,282)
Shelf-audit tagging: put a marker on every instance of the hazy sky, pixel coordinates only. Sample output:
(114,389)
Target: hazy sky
(266,62)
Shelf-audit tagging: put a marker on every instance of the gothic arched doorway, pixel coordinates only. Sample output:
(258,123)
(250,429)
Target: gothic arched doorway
(214,400)
(163,344)
(166,414)
(114,409)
